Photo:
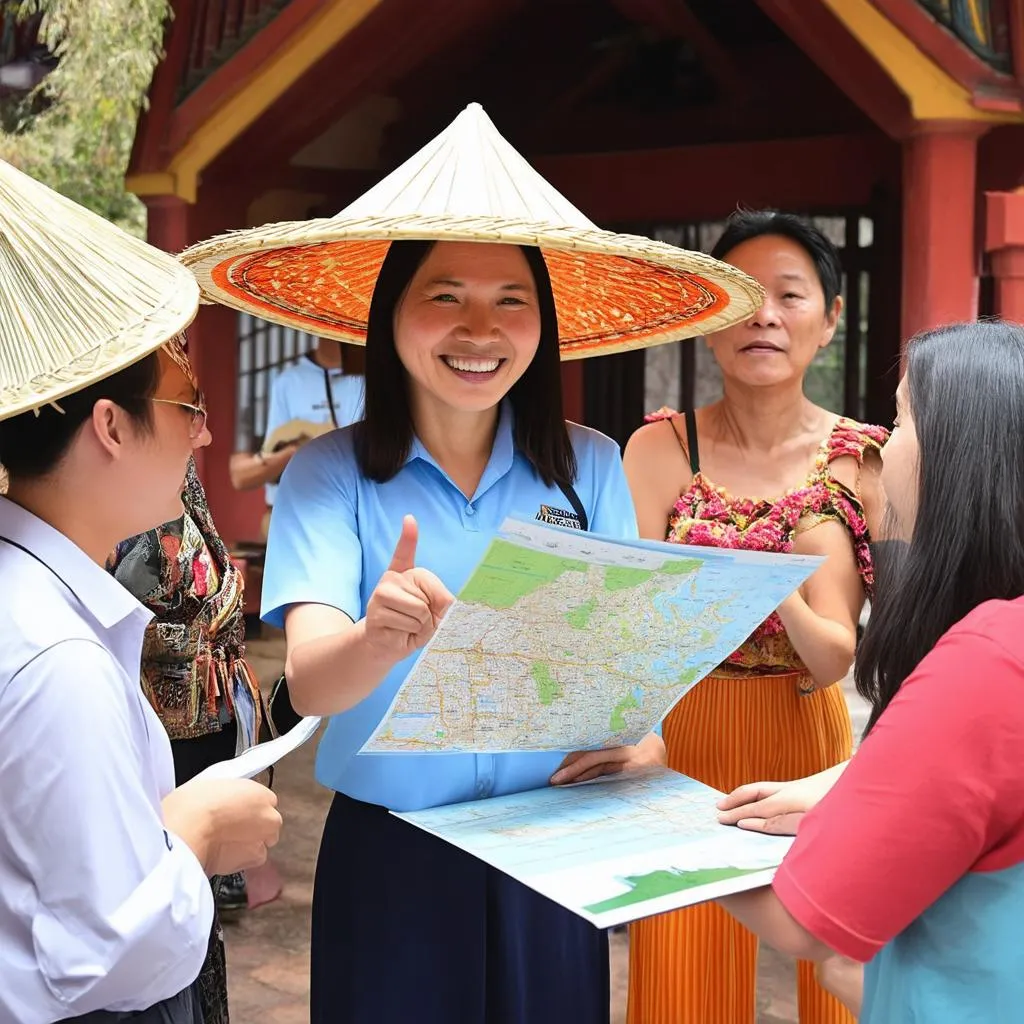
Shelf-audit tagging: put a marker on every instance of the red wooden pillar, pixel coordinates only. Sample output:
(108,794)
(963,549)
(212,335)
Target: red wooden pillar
(572,390)
(213,343)
(1004,239)
(167,224)
(212,340)
(167,227)
(940,262)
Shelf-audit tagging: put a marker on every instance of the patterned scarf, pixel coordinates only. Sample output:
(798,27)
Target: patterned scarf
(194,671)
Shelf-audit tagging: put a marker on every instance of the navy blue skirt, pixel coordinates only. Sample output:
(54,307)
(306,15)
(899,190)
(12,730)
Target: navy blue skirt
(409,928)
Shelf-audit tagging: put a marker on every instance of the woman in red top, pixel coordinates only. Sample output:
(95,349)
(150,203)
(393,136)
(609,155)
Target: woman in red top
(913,863)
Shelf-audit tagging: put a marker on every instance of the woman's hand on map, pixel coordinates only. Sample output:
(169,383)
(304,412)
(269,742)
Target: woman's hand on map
(776,807)
(591,764)
(408,603)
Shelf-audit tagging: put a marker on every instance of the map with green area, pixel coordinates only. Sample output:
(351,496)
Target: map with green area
(562,641)
(579,617)
(547,686)
(508,574)
(666,882)
(622,848)
(618,722)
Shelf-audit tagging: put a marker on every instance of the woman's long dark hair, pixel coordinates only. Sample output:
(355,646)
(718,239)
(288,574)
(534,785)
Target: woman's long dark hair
(384,438)
(966,391)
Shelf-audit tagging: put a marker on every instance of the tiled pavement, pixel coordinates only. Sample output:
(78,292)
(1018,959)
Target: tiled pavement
(268,948)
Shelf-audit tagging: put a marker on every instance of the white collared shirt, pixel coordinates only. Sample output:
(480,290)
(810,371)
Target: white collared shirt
(306,391)
(100,906)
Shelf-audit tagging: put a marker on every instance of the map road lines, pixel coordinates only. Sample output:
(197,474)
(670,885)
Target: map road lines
(561,640)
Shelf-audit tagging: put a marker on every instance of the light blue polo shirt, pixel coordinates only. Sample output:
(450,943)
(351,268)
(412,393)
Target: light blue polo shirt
(299,392)
(332,536)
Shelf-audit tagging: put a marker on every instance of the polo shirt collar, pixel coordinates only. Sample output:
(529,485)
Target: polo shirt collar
(502,453)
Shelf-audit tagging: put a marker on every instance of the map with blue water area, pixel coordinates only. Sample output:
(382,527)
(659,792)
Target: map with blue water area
(562,640)
(615,850)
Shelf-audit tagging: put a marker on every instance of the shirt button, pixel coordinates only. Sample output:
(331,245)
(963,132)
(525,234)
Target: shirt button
(470,510)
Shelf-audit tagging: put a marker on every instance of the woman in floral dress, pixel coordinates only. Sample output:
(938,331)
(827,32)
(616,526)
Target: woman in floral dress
(763,469)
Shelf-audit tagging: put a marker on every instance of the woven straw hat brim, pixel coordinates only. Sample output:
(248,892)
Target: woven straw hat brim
(613,292)
(79,298)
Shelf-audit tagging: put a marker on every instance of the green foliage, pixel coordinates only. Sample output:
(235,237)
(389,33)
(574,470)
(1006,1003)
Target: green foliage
(76,132)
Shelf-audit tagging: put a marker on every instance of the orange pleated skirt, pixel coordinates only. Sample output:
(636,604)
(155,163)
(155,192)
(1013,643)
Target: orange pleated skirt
(697,965)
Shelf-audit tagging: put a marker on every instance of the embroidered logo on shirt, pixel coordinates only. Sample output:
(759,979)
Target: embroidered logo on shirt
(559,517)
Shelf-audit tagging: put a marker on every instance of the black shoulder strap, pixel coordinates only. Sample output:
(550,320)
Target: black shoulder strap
(691,440)
(330,396)
(310,355)
(577,506)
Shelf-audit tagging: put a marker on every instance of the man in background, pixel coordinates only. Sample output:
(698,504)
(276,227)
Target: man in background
(320,392)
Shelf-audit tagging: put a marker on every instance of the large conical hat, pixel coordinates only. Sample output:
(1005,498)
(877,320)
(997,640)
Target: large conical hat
(79,298)
(613,292)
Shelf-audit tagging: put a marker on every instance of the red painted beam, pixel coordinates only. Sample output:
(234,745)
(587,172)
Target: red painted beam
(149,150)
(229,79)
(1017,39)
(390,42)
(269,177)
(826,41)
(706,182)
(683,183)
(953,56)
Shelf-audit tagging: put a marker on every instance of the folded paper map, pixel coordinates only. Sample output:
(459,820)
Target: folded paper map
(260,757)
(563,640)
(615,850)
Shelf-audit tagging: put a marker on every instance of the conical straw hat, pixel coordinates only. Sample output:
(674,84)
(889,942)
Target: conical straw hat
(613,292)
(79,298)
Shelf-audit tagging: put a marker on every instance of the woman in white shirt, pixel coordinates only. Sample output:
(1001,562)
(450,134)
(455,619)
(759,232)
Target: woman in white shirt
(105,907)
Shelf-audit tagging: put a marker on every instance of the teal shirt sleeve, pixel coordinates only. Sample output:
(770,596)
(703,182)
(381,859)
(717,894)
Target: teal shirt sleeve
(314,555)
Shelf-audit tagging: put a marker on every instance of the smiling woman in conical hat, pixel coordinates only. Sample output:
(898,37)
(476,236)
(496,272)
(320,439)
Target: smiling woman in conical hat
(467,277)
(105,906)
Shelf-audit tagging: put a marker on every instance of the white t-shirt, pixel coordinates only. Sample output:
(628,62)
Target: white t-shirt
(306,391)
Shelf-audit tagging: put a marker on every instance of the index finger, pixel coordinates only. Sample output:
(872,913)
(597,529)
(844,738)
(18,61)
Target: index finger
(404,557)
